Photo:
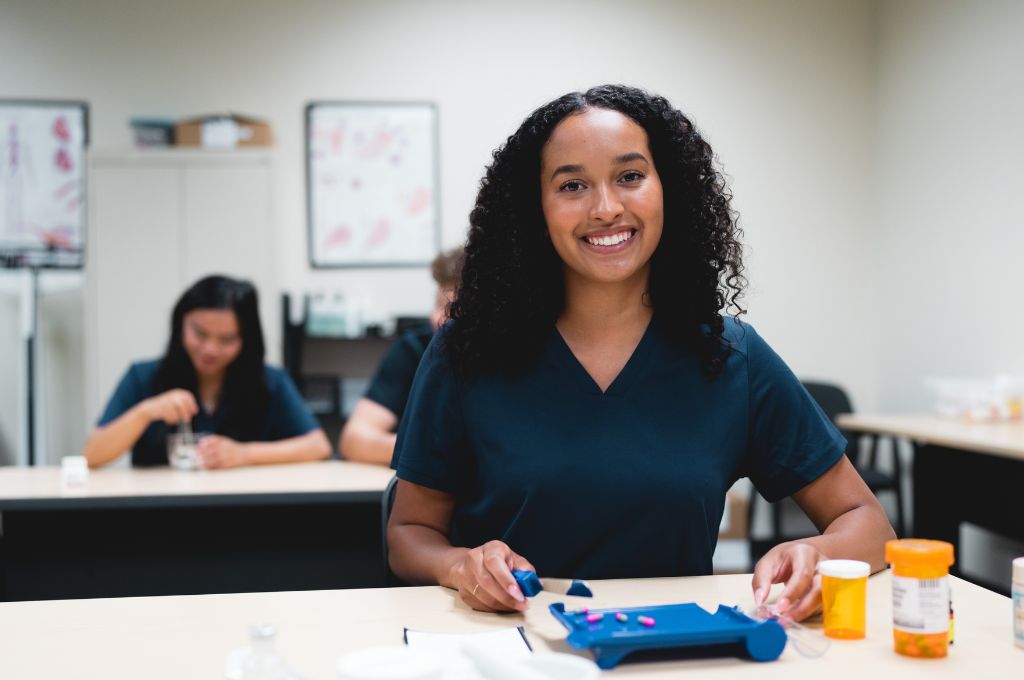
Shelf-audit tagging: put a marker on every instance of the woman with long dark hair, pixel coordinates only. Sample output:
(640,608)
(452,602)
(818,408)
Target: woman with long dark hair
(591,400)
(212,377)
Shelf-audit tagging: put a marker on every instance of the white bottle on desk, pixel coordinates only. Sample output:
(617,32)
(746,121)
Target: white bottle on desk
(1018,601)
(74,475)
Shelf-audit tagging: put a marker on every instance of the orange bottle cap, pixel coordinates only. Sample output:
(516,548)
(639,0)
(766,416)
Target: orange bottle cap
(919,551)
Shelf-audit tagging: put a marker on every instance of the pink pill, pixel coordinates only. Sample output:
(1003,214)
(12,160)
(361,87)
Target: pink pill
(646,621)
(594,618)
(620,617)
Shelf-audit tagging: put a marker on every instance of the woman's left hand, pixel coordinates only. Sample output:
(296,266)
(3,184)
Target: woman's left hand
(796,564)
(216,452)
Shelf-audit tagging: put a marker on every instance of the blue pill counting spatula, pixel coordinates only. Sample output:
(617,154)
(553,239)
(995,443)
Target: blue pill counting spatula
(531,584)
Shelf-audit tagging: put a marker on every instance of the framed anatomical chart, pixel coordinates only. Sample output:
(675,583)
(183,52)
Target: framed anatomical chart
(372,184)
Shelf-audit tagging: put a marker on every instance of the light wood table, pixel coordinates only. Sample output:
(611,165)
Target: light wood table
(39,487)
(962,472)
(158,531)
(1005,440)
(188,637)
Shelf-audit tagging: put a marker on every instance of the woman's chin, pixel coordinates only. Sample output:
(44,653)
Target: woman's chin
(208,370)
(610,274)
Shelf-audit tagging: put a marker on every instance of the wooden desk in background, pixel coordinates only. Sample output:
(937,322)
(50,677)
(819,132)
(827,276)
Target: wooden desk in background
(159,531)
(962,472)
(188,637)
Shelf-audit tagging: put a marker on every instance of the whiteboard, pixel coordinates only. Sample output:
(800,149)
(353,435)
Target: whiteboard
(42,183)
(372,184)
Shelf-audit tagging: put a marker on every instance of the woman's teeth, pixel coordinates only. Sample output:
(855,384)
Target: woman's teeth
(611,240)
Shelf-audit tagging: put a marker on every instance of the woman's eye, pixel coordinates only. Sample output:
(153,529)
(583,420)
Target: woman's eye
(572,185)
(632,176)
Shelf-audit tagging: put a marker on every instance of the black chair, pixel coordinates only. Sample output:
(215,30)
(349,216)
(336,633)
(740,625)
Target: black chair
(387,501)
(834,401)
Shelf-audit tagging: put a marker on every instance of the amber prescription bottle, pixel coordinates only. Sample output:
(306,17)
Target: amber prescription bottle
(920,596)
(844,586)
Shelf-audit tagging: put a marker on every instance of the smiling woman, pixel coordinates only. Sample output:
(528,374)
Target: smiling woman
(212,377)
(590,402)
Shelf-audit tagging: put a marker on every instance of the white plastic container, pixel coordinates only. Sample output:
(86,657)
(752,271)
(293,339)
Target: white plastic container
(1018,601)
(74,474)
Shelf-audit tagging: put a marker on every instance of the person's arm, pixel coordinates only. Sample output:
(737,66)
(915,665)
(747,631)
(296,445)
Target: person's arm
(217,452)
(419,552)
(369,434)
(853,525)
(108,442)
(292,434)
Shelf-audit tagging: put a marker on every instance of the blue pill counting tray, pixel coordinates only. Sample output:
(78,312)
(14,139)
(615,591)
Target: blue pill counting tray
(675,626)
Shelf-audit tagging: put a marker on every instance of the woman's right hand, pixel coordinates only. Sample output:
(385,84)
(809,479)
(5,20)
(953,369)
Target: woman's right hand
(172,406)
(484,578)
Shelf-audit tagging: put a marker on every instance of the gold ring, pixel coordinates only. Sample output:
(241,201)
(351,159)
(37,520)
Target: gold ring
(475,588)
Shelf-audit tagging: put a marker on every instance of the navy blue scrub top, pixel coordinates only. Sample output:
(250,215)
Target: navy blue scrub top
(393,379)
(288,415)
(628,483)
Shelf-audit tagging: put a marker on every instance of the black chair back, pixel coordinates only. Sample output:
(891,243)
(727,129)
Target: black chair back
(387,502)
(833,400)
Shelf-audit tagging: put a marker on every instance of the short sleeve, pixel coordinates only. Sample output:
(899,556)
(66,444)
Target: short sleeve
(132,389)
(792,441)
(393,378)
(288,416)
(431,448)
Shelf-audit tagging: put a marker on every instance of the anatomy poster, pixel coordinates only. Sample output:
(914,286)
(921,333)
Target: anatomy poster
(42,180)
(372,174)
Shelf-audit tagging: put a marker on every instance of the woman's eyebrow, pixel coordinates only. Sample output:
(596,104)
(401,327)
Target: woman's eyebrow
(629,158)
(566,169)
(618,160)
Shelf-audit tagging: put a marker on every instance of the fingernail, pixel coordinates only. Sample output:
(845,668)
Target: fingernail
(783,604)
(759,596)
(514,591)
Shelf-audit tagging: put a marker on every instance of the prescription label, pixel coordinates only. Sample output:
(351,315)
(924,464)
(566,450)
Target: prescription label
(920,605)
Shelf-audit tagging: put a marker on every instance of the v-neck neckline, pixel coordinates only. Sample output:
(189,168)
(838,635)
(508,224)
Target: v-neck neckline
(621,382)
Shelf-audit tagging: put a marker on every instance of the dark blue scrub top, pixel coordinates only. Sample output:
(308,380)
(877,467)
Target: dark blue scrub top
(288,415)
(623,484)
(393,379)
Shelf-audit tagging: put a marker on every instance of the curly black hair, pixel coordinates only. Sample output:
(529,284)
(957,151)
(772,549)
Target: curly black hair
(512,289)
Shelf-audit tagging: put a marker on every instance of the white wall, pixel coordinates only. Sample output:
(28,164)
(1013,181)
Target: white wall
(950,187)
(783,90)
(950,196)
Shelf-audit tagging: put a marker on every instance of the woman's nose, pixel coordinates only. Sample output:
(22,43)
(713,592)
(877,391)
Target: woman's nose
(607,207)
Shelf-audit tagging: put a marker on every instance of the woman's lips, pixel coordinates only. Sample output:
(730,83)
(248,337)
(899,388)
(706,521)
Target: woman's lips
(610,242)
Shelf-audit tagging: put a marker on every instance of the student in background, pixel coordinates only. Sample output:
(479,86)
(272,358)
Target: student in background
(213,377)
(369,434)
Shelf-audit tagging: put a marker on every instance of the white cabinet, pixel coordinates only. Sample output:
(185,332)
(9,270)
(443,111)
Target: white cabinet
(159,221)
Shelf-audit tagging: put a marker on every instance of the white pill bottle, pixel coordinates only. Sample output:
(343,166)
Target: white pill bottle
(1018,601)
